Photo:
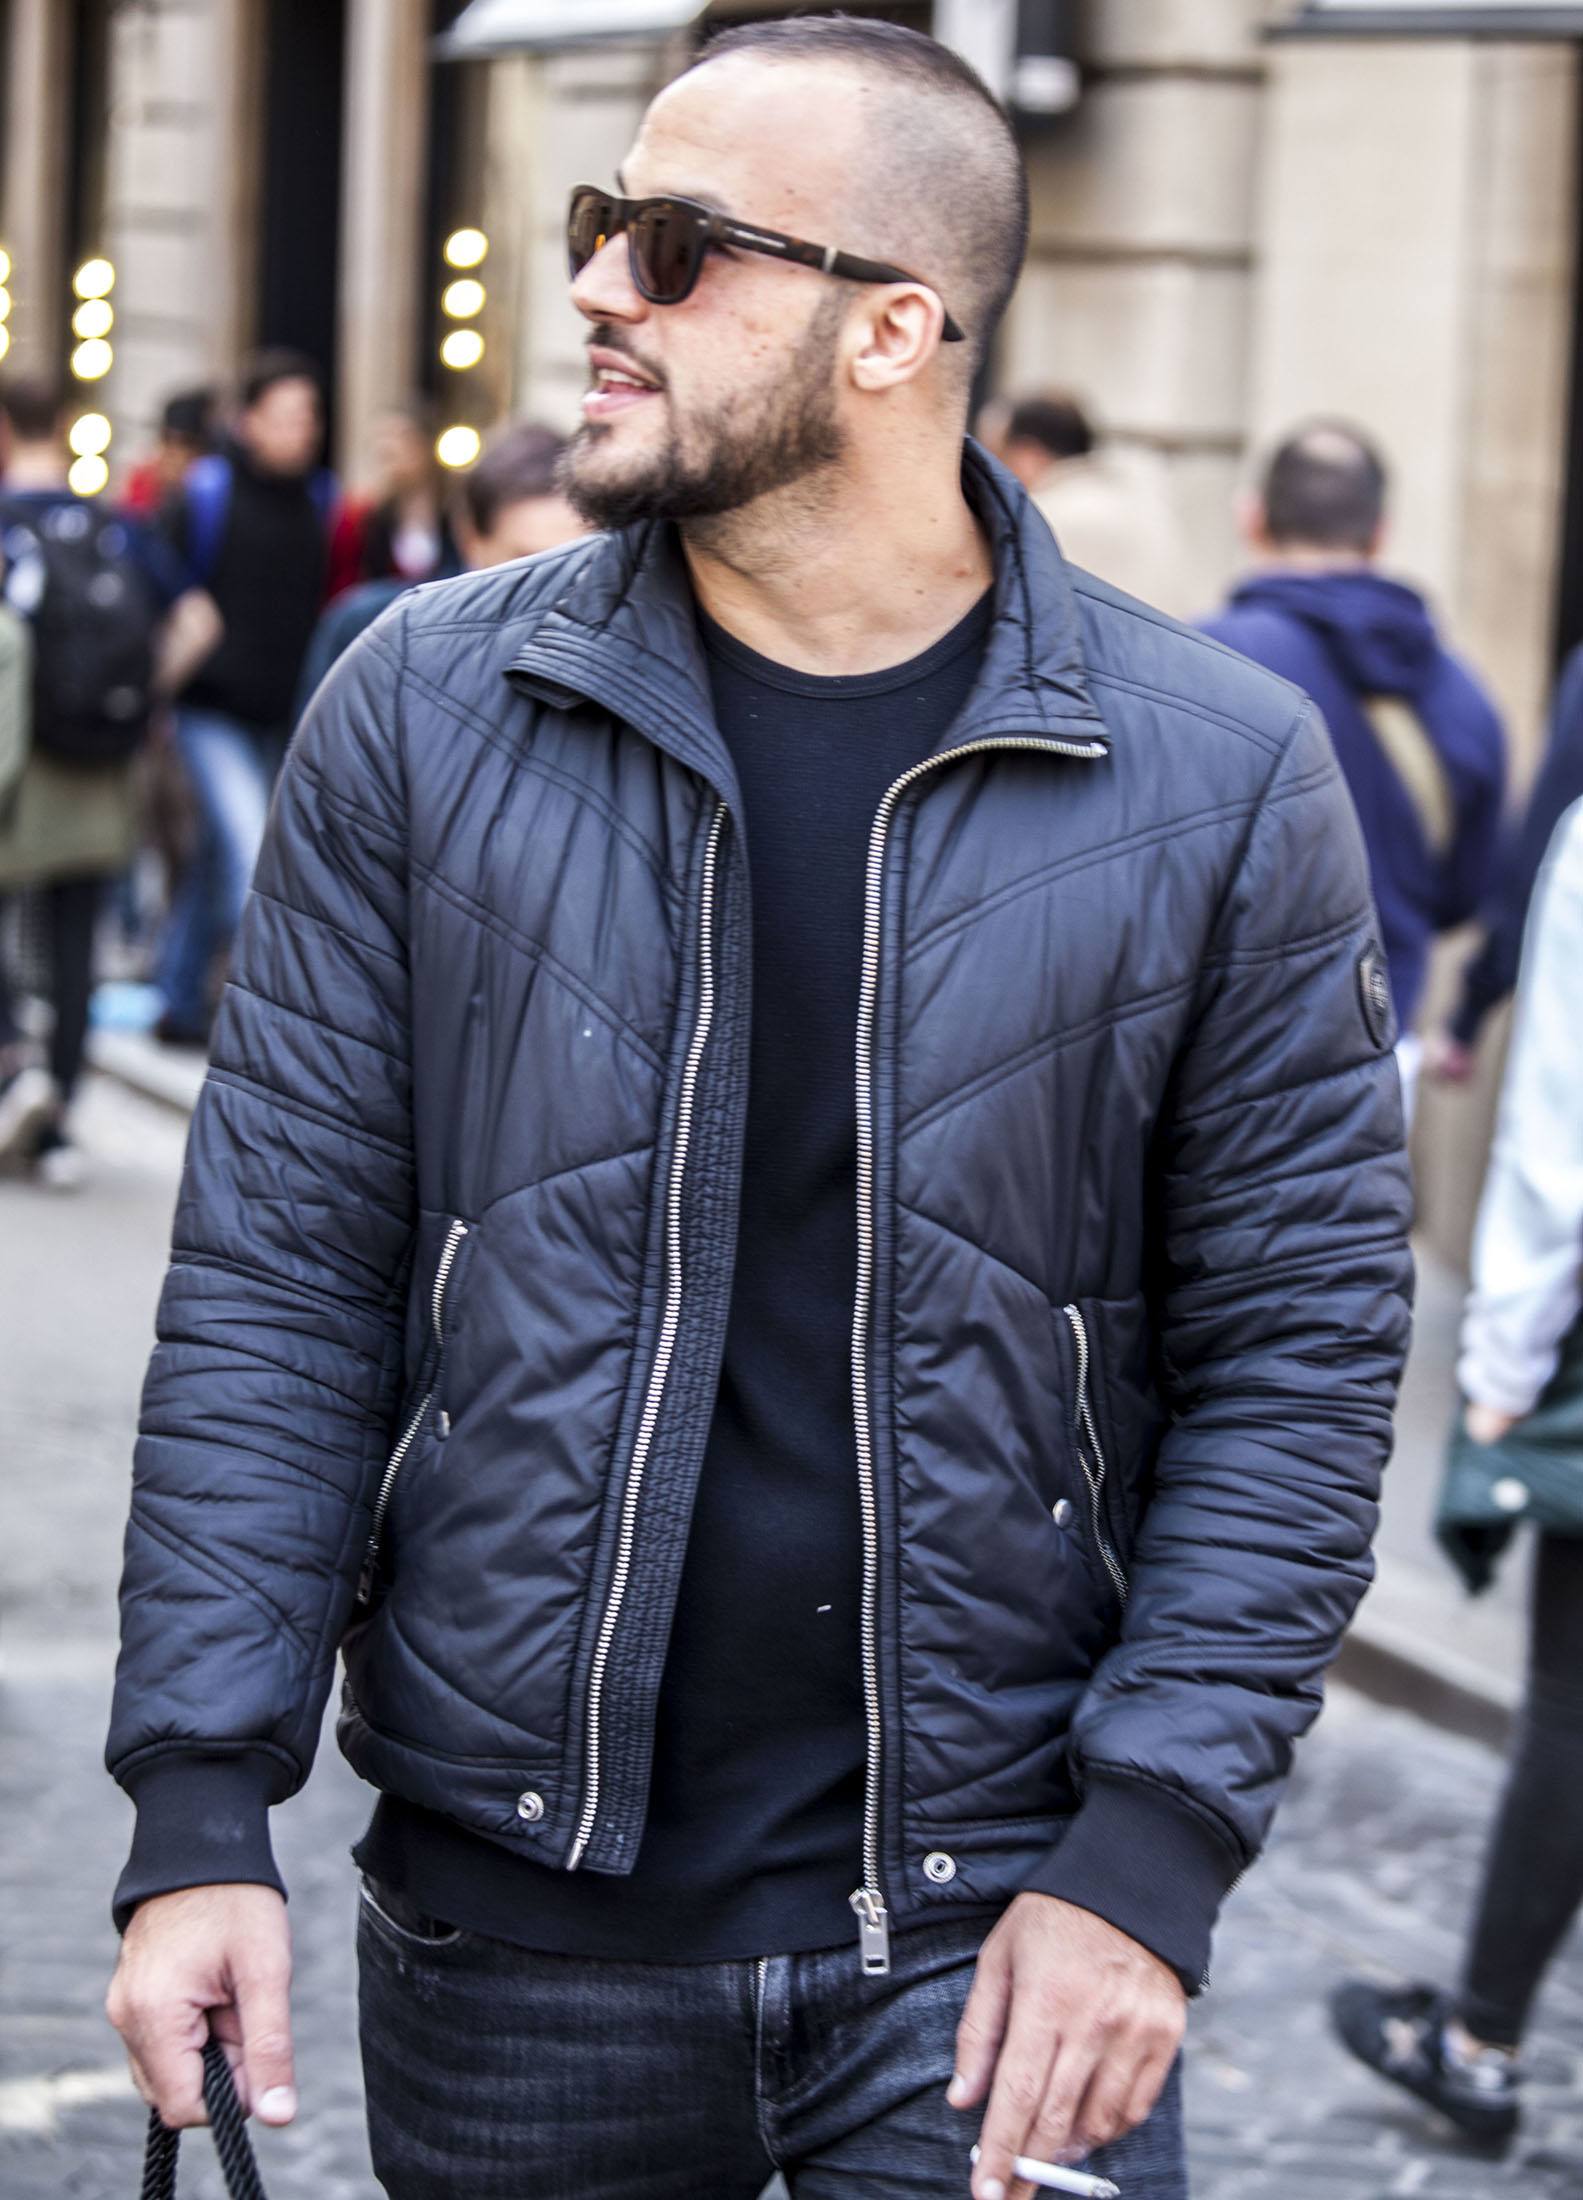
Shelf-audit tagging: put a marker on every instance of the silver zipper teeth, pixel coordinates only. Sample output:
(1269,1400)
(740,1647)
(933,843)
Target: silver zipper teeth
(442,1276)
(1094,1479)
(666,1345)
(868,1901)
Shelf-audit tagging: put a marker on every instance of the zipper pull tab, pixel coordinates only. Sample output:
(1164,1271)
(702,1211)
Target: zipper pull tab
(873,1932)
(365,1580)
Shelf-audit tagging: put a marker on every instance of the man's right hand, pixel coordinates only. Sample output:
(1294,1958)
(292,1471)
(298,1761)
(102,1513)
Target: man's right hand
(202,1960)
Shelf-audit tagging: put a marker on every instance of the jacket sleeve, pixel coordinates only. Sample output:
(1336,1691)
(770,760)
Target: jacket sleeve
(1528,1249)
(1492,972)
(1281,1306)
(268,1400)
(16,701)
(1479,785)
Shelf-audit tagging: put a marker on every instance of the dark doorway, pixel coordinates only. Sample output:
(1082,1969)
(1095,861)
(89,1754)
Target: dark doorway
(1569,590)
(300,242)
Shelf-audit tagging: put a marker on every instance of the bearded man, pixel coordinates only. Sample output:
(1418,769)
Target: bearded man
(794,1245)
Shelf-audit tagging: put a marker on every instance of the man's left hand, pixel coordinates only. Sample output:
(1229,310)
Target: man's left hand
(1070,2029)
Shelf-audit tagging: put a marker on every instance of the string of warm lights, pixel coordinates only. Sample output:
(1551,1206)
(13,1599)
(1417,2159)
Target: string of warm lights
(5,301)
(461,347)
(92,358)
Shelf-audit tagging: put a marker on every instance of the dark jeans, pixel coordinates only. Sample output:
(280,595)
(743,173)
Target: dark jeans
(231,769)
(69,908)
(492,2073)
(1533,1877)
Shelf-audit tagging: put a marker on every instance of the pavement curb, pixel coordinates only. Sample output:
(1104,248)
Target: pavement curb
(171,1078)
(1394,1666)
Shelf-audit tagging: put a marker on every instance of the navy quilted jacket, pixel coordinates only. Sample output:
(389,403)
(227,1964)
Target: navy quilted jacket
(440,1338)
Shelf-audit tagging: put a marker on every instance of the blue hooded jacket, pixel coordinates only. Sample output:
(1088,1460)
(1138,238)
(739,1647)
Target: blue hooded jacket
(1348,637)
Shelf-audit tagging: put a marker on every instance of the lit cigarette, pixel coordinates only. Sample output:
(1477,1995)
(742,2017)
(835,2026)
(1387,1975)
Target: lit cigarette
(1052,2178)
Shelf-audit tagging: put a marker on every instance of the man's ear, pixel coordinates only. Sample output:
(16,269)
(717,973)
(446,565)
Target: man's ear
(897,335)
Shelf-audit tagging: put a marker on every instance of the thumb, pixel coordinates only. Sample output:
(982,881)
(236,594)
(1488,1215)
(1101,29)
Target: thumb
(264,2012)
(982,2028)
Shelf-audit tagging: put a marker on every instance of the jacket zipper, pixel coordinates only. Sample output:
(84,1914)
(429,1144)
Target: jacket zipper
(442,1276)
(868,1900)
(1093,1475)
(670,1322)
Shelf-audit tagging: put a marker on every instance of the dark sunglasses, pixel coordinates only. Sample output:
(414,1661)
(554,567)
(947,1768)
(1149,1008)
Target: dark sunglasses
(667,240)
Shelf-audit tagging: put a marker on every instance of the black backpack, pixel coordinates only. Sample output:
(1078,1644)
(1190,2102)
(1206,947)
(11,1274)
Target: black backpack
(70,573)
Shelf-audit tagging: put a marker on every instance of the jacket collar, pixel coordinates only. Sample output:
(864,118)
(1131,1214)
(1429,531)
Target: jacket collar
(623,634)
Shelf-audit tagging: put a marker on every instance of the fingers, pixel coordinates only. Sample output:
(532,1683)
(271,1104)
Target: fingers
(1149,2081)
(1022,2076)
(166,2056)
(202,1958)
(263,1989)
(982,2028)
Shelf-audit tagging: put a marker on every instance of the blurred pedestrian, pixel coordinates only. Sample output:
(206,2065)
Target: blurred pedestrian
(252,524)
(1491,971)
(115,622)
(402,530)
(187,426)
(806,1567)
(1108,511)
(1519,1455)
(509,504)
(1418,738)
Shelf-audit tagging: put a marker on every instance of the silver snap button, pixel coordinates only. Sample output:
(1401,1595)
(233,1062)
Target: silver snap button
(530,1807)
(1510,1494)
(1061,1512)
(939,1867)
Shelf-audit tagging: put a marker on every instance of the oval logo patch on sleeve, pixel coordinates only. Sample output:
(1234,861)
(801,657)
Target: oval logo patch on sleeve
(1374,992)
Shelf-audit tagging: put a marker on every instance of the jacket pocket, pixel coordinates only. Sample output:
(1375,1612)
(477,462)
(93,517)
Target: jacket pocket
(1090,1448)
(430,1373)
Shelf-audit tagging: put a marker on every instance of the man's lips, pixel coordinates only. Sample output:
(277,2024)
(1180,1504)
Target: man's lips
(618,385)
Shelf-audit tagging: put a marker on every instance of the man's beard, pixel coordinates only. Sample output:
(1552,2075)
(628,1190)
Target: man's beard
(728,457)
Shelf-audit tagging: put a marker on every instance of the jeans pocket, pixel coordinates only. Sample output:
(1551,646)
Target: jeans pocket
(391,1913)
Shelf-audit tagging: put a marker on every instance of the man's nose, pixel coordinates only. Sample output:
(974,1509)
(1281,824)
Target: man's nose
(604,289)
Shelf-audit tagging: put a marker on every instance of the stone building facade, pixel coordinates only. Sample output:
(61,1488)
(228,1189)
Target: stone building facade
(1232,229)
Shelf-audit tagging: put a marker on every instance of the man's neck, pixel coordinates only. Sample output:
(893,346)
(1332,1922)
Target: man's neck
(36,466)
(1312,558)
(844,572)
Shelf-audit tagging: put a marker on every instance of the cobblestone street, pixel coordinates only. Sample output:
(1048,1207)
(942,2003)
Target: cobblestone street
(1373,1865)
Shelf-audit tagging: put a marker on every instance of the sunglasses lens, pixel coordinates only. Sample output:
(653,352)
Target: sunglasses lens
(667,245)
(590,223)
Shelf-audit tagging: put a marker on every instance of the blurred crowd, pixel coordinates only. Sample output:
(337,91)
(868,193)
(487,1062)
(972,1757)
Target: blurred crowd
(155,652)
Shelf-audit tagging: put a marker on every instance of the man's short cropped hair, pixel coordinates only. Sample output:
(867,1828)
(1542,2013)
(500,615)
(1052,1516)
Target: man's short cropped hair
(947,193)
(517,463)
(1055,421)
(34,405)
(1325,485)
(267,368)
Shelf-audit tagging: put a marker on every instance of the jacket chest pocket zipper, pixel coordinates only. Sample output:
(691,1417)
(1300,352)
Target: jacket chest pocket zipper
(1091,1454)
(409,1435)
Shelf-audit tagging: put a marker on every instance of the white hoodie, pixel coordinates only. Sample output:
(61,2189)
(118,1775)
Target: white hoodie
(1528,1248)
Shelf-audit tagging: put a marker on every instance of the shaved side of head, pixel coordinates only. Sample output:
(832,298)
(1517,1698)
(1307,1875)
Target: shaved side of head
(937,183)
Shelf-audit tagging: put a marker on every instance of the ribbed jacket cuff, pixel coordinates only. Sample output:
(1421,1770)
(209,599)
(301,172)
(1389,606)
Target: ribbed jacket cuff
(1153,1867)
(201,1822)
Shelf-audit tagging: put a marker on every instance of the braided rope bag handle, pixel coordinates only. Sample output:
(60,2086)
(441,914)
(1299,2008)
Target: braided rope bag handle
(229,2127)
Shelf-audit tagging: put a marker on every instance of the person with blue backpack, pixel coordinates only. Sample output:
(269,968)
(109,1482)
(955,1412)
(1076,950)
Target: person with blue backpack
(252,523)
